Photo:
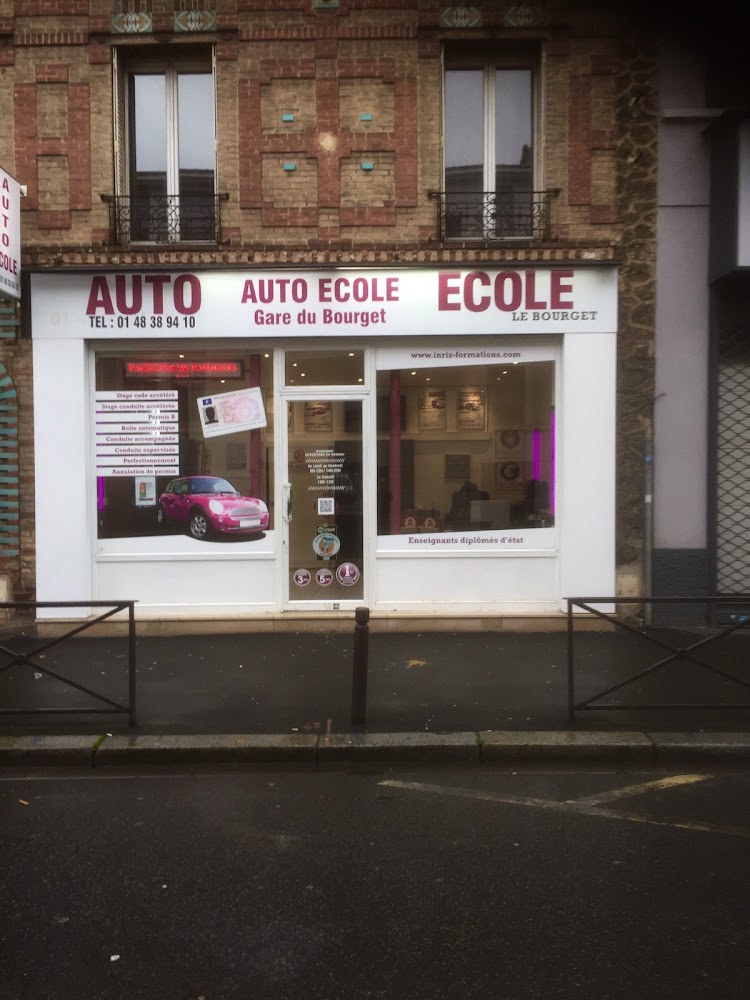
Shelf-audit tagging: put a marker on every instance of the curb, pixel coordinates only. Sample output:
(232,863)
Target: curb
(479,747)
(222,749)
(566,746)
(399,746)
(73,750)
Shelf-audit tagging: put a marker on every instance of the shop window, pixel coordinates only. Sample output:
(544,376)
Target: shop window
(466,449)
(183,447)
(166,159)
(489,147)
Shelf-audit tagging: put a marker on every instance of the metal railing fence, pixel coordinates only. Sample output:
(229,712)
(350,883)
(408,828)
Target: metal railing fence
(675,652)
(493,216)
(164,218)
(30,658)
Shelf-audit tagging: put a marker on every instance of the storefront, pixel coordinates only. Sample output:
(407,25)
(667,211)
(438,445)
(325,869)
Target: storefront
(238,444)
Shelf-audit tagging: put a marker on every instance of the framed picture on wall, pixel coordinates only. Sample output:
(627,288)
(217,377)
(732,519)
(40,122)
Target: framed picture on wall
(457,466)
(471,410)
(508,475)
(509,442)
(318,415)
(432,414)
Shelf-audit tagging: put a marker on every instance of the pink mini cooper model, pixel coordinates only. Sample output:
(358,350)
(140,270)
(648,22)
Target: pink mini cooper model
(207,505)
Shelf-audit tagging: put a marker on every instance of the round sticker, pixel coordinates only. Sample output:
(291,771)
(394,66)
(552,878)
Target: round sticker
(347,574)
(324,577)
(326,544)
(302,577)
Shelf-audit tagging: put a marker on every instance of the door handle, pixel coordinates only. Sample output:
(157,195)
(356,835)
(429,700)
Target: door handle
(287,501)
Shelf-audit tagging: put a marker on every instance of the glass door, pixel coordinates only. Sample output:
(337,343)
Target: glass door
(323,502)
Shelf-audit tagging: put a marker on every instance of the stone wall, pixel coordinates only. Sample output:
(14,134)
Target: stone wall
(636,184)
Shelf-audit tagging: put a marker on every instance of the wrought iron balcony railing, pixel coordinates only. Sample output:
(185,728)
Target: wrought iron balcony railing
(494,216)
(164,218)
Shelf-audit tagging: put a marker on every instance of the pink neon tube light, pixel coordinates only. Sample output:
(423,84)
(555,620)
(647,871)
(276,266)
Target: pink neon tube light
(552,460)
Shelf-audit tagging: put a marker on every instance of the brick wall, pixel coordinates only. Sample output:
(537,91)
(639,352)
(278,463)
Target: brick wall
(363,84)
(18,572)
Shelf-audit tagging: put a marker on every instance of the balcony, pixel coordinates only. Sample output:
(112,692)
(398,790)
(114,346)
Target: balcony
(493,216)
(164,218)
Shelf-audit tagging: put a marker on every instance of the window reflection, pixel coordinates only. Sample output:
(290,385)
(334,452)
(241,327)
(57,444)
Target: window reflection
(464,132)
(196,148)
(324,368)
(465,449)
(171,120)
(150,130)
(489,153)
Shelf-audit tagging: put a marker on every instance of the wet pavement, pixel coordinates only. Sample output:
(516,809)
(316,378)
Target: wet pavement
(416,682)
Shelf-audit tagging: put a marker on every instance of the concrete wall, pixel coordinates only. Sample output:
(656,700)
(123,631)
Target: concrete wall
(682,319)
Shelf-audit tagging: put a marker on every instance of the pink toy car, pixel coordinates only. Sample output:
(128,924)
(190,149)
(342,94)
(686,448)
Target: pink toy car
(207,505)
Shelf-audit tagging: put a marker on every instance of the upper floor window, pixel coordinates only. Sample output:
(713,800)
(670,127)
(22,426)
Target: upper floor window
(489,150)
(166,146)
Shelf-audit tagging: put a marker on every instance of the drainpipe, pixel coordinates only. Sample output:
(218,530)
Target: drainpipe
(648,526)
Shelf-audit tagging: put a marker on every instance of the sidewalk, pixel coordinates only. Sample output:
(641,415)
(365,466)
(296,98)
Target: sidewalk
(292,692)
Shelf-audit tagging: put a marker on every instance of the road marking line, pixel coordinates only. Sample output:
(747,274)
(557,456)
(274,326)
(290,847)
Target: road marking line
(729,831)
(673,781)
(552,805)
(466,793)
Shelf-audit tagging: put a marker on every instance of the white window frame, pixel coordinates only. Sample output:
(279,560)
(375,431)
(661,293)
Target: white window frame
(490,64)
(128,62)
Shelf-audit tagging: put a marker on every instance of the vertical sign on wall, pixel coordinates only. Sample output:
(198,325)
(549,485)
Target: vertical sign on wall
(10,236)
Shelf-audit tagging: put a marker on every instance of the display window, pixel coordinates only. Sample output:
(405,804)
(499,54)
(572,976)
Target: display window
(466,448)
(183,444)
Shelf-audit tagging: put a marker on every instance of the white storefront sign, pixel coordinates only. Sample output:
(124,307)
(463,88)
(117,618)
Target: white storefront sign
(335,303)
(10,236)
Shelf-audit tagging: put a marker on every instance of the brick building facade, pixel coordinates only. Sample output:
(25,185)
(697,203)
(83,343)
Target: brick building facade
(331,130)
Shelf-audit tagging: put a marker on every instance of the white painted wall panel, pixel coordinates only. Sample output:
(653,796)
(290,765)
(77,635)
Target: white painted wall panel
(191,588)
(585,510)
(681,406)
(487,584)
(64,488)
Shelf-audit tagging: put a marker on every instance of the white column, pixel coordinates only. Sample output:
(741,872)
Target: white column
(65,492)
(585,508)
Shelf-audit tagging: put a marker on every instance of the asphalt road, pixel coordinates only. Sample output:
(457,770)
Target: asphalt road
(453,883)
